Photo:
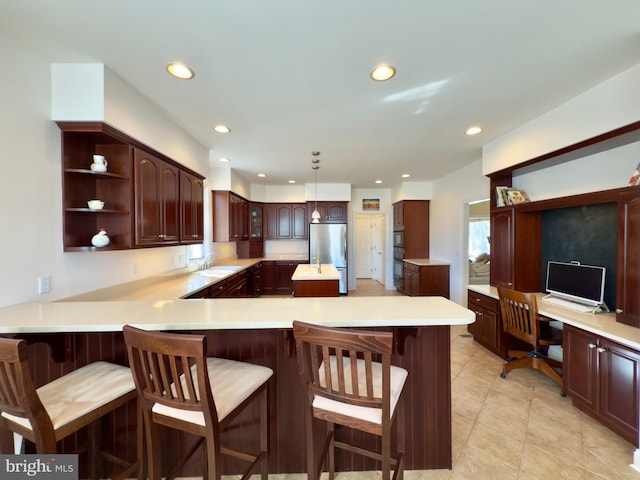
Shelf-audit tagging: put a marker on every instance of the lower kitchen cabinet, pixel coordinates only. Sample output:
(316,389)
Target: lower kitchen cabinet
(601,376)
(487,328)
(424,280)
(276,276)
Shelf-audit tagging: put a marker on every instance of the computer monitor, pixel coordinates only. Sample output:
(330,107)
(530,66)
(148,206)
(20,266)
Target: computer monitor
(576,282)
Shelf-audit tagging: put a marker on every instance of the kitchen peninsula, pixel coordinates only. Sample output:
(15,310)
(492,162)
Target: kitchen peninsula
(259,330)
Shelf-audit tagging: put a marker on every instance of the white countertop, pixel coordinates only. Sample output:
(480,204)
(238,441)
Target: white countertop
(425,262)
(306,271)
(231,313)
(602,324)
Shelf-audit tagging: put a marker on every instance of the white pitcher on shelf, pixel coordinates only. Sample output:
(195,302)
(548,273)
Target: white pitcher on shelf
(99,163)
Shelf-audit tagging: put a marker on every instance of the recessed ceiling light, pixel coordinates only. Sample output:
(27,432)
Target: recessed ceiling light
(222,129)
(262,175)
(378,181)
(224,160)
(405,175)
(473,130)
(382,73)
(292,181)
(180,70)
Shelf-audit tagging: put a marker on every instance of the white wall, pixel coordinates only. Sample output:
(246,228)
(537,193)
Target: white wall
(31,193)
(448,221)
(610,105)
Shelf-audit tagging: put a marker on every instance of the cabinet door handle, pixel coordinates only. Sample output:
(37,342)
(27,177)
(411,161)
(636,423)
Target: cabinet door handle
(619,310)
(601,350)
(592,346)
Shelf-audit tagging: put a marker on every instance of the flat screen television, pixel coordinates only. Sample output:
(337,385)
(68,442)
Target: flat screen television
(576,282)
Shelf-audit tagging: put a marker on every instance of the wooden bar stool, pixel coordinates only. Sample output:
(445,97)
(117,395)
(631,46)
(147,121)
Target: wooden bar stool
(180,388)
(346,387)
(61,407)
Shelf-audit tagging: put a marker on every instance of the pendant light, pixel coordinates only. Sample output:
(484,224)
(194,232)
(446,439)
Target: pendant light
(315,216)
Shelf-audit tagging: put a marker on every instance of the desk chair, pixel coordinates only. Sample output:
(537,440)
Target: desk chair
(346,387)
(56,410)
(520,318)
(180,388)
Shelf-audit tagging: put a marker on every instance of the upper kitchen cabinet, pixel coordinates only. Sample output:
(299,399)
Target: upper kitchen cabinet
(230,216)
(144,197)
(157,199)
(628,262)
(286,221)
(191,209)
(330,212)
(80,184)
(412,217)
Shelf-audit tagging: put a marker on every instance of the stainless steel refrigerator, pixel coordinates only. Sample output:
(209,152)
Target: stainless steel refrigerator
(328,242)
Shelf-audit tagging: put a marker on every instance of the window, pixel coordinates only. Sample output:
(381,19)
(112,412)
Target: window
(479,237)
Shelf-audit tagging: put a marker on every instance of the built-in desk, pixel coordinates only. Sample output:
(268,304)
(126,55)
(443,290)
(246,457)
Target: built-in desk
(601,358)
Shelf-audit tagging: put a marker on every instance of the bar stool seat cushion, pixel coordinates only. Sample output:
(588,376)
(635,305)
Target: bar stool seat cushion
(231,381)
(374,415)
(80,392)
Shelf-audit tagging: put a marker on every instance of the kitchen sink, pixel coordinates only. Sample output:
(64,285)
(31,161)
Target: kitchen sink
(221,271)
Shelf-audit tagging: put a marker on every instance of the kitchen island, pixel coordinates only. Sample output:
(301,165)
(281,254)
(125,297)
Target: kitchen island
(322,280)
(259,331)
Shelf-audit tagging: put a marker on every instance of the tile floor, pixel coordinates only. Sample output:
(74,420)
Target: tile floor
(518,428)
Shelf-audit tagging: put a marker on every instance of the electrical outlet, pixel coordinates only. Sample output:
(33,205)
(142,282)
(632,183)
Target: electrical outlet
(134,268)
(44,285)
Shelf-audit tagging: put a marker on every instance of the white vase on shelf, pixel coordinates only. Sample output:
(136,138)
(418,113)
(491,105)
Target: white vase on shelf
(100,239)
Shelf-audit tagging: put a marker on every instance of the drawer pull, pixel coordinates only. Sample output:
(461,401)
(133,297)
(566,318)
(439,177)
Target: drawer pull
(592,346)
(602,350)
(619,310)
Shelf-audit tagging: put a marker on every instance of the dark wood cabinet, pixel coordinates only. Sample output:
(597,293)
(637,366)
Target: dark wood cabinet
(487,328)
(269,277)
(330,212)
(286,221)
(145,200)
(423,280)
(502,245)
(602,378)
(515,249)
(628,262)
(191,209)
(80,184)
(412,216)
(276,276)
(157,211)
(230,216)
(283,273)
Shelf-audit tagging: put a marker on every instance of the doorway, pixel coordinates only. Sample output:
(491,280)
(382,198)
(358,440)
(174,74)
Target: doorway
(370,247)
(478,242)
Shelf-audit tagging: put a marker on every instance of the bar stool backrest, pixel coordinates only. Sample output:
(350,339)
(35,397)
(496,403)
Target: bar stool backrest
(18,394)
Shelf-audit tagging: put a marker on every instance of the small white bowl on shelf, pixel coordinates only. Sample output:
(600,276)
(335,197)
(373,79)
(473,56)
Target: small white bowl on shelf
(95,204)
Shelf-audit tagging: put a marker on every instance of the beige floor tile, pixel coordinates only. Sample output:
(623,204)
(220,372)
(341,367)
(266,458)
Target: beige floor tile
(509,402)
(475,464)
(466,405)
(461,426)
(509,424)
(537,463)
(496,444)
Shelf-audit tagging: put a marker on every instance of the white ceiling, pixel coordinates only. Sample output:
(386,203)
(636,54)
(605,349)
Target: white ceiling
(292,76)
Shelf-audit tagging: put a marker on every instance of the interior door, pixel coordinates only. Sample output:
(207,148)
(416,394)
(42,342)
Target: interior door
(377,248)
(363,247)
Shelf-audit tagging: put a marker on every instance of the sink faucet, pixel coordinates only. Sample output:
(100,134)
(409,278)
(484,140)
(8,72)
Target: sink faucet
(207,261)
(318,265)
